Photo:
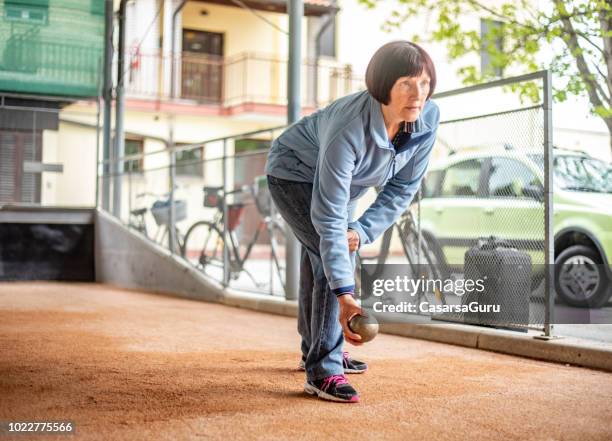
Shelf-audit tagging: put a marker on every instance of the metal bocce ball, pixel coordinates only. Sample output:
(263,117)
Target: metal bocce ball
(365,326)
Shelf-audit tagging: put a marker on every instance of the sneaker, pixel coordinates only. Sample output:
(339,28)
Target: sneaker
(350,366)
(332,388)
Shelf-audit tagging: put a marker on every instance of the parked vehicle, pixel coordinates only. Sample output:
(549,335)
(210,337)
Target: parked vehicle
(500,192)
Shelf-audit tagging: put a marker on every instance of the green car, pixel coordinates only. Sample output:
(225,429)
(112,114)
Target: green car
(500,193)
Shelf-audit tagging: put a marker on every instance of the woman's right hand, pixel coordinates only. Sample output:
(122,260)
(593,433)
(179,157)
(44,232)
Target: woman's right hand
(349,308)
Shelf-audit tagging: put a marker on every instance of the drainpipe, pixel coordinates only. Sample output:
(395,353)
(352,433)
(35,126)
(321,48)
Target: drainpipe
(107,94)
(330,19)
(119,147)
(172,177)
(173,48)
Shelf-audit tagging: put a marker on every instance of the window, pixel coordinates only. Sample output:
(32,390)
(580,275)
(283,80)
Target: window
(190,162)
(511,179)
(462,179)
(492,41)
(27,11)
(430,184)
(248,145)
(250,160)
(16,148)
(133,146)
(578,173)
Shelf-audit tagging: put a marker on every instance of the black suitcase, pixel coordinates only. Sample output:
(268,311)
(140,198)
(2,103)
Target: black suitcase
(505,273)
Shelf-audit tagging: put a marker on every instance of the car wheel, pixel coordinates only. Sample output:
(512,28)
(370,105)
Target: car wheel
(580,277)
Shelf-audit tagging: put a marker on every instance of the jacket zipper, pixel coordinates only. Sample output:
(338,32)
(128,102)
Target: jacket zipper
(394,152)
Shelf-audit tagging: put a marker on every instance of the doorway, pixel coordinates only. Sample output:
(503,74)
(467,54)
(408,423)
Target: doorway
(202,66)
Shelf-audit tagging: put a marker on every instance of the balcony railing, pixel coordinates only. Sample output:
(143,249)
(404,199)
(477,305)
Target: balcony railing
(246,78)
(30,65)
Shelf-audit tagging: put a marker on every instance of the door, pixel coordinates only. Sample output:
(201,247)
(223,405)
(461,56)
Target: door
(17,147)
(202,66)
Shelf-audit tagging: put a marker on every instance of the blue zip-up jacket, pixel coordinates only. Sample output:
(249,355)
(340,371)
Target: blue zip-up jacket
(343,149)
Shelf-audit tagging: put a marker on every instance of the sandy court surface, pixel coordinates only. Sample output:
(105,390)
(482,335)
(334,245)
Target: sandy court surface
(128,365)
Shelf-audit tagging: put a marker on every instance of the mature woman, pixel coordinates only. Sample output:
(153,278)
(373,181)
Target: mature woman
(320,166)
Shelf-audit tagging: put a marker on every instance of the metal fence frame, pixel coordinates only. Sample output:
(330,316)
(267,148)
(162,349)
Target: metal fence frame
(549,243)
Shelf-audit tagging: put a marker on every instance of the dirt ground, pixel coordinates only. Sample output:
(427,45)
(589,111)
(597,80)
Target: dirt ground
(128,365)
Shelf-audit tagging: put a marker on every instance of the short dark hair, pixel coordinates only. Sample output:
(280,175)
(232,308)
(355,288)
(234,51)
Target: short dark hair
(394,60)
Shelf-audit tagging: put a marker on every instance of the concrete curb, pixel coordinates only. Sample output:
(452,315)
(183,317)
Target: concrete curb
(565,350)
(259,302)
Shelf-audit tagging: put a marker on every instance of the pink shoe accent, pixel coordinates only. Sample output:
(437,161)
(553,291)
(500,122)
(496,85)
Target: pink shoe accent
(333,379)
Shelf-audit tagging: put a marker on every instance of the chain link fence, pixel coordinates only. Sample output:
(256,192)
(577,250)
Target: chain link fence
(480,233)
(208,203)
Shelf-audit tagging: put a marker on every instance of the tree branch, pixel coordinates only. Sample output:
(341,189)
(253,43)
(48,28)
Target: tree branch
(588,40)
(605,78)
(606,26)
(501,16)
(593,87)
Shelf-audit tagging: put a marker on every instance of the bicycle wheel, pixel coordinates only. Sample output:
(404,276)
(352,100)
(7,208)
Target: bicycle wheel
(422,260)
(376,263)
(203,248)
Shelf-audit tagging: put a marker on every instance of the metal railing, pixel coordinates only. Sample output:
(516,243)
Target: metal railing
(30,65)
(208,203)
(245,78)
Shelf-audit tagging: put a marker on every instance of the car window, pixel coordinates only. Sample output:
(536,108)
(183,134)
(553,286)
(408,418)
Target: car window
(462,179)
(430,183)
(585,174)
(510,178)
(579,173)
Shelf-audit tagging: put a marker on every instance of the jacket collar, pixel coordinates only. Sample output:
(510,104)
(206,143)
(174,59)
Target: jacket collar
(378,131)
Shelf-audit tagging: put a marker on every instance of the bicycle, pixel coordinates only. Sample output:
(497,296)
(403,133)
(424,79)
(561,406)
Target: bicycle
(205,242)
(160,210)
(422,258)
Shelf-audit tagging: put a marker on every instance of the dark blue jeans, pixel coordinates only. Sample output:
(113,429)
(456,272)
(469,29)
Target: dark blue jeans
(318,309)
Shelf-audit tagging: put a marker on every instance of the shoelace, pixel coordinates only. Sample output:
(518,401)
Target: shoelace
(337,380)
(345,355)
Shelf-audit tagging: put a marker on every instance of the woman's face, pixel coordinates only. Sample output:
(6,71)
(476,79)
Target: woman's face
(408,96)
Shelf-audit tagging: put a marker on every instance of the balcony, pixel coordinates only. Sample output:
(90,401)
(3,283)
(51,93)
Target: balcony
(33,66)
(243,82)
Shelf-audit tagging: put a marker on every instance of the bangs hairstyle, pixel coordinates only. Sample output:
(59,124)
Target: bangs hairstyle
(394,60)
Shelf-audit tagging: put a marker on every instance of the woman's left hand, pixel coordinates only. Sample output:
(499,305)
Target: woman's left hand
(353,240)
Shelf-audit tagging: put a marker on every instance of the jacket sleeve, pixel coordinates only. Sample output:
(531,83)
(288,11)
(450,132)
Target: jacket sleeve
(395,196)
(329,211)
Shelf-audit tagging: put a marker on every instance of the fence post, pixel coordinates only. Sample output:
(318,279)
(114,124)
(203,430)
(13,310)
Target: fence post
(293,250)
(172,211)
(129,194)
(224,233)
(549,243)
